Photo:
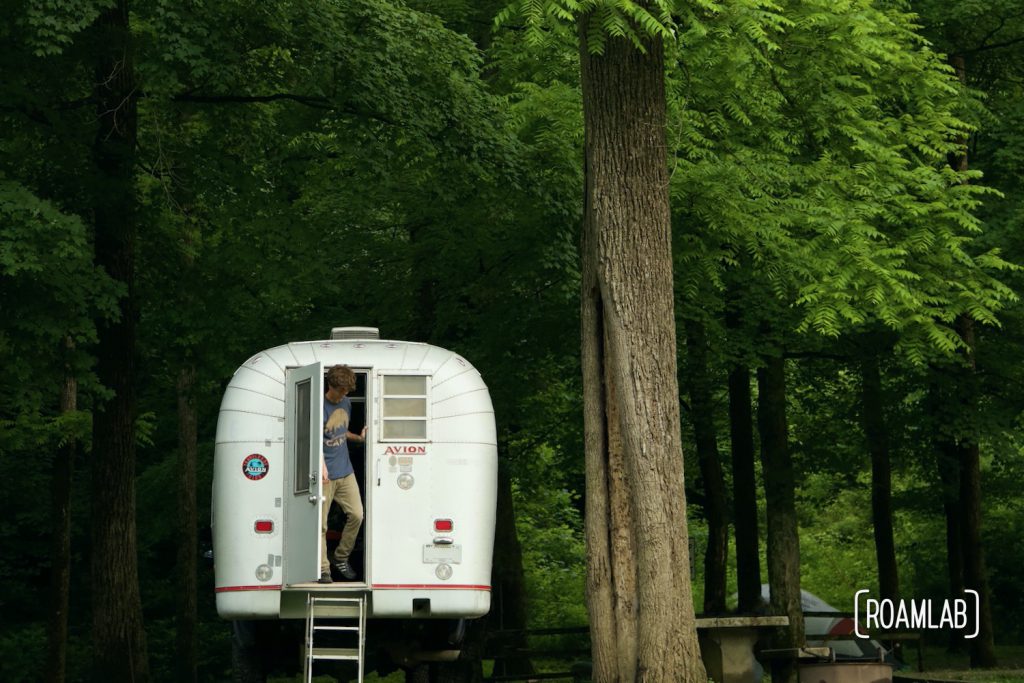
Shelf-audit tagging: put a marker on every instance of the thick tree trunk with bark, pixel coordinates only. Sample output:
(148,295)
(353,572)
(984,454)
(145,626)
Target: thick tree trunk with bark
(639,599)
(119,642)
(780,498)
(703,418)
(60,578)
(873,417)
(187,659)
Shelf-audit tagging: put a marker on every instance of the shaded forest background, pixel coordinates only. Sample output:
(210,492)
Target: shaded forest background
(183,184)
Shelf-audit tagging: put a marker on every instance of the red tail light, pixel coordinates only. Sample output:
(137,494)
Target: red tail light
(443,525)
(264,526)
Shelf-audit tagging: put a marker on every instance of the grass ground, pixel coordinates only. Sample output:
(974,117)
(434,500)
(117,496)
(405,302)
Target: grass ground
(939,665)
(942,665)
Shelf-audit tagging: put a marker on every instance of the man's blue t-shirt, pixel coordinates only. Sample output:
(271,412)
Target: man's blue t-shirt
(336,417)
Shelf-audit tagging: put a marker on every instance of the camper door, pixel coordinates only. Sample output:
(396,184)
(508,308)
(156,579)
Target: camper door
(303,443)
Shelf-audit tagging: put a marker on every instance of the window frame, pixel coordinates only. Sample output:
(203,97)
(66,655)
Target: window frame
(384,419)
(303,441)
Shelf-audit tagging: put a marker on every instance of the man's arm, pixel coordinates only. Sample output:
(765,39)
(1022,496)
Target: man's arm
(358,438)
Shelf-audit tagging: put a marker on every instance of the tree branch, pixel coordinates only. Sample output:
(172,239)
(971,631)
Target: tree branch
(308,100)
(314,101)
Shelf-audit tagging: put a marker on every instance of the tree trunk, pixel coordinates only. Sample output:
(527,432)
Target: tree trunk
(949,478)
(702,413)
(982,648)
(186,662)
(744,487)
(783,537)
(631,397)
(119,642)
(60,580)
(507,574)
(873,416)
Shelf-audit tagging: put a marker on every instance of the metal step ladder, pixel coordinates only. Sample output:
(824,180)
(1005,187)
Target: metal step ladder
(319,609)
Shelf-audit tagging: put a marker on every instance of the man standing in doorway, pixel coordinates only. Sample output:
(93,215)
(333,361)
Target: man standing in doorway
(338,477)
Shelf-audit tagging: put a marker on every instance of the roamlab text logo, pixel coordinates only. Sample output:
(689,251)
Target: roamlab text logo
(894,615)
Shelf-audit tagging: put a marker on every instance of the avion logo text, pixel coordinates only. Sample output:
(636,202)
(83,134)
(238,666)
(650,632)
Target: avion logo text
(406,450)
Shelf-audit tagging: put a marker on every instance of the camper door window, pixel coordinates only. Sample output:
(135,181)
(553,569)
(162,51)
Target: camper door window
(404,408)
(302,441)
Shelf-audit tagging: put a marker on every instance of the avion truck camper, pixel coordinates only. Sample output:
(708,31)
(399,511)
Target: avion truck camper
(427,476)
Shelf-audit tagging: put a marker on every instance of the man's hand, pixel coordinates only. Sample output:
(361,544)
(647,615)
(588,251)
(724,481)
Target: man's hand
(323,471)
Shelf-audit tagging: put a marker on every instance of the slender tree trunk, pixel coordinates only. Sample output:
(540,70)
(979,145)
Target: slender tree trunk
(188,519)
(631,397)
(744,474)
(119,642)
(60,580)
(982,648)
(744,494)
(702,413)
(744,491)
(508,579)
(744,477)
(873,416)
(949,477)
(783,537)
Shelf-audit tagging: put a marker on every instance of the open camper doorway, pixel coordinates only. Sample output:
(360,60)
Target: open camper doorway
(358,454)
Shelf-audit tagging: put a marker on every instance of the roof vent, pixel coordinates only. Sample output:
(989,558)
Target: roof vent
(355,333)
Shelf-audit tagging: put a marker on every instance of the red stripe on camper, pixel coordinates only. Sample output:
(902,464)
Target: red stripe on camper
(232,589)
(427,586)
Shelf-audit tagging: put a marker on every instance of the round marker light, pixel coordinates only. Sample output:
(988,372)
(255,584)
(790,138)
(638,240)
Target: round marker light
(264,572)
(443,571)
(405,481)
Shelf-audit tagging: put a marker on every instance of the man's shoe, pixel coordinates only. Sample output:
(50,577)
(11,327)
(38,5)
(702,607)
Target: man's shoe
(325,577)
(345,569)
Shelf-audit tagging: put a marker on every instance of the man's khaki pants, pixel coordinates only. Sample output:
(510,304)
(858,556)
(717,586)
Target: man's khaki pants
(346,492)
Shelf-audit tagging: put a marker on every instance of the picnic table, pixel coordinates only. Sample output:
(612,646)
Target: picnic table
(727,645)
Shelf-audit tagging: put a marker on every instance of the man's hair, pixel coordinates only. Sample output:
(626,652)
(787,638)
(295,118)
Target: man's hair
(341,377)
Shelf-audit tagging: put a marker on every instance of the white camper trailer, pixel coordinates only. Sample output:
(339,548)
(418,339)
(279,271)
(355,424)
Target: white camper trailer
(427,476)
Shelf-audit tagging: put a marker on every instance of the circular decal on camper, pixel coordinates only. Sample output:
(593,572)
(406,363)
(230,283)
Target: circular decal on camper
(255,467)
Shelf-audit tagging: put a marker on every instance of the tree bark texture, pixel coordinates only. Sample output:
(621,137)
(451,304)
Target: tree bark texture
(631,398)
(873,417)
(780,498)
(744,491)
(187,660)
(982,648)
(119,643)
(60,578)
(703,418)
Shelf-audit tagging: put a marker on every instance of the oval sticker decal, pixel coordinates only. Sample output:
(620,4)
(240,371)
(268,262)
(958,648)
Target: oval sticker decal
(255,467)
